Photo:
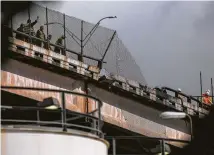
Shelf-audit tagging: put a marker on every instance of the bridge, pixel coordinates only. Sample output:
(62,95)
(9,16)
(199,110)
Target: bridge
(126,107)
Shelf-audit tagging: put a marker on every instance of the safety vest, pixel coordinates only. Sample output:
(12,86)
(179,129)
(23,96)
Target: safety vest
(206,99)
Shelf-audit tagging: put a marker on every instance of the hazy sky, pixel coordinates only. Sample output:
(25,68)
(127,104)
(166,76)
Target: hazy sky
(170,41)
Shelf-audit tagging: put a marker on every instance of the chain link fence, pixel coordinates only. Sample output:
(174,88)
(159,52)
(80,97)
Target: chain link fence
(78,33)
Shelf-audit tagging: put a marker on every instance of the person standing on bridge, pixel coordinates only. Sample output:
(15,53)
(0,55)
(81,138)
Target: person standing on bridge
(29,29)
(206,98)
(59,43)
(47,43)
(20,29)
(41,35)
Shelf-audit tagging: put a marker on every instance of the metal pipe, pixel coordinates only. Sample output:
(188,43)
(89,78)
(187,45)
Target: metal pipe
(63,112)
(101,62)
(201,85)
(89,38)
(65,27)
(72,36)
(86,56)
(56,90)
(27,108)
(99,118)
(38,115)
(49,122)
(144,137)
(87,92)
(96,25)
(212,90)
(64,35)
(108,45)
(81,43)
(94,29)
(114,146)
(162,147)
(47,26)
(191,128)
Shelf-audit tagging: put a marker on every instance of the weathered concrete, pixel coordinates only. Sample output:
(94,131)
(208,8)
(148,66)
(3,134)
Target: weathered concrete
(116,110)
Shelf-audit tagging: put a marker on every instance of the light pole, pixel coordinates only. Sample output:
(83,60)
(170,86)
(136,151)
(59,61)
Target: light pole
(88,36)
(178,115)
(82,41)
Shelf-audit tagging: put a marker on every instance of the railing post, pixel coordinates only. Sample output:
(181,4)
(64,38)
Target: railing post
(201,87)
(38,115)
(47,27)
(212,90)
(114,146)
(63,112)
(99,118)
(162,147)
(30,39)
(64,35)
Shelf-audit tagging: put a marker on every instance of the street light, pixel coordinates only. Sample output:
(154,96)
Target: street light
(177,115)
(90,34)
(96,25)
(82,40)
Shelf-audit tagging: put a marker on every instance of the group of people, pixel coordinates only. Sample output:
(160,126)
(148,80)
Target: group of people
(205,98)
(28,29)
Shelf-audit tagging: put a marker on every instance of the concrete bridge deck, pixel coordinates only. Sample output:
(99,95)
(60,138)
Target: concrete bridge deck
(135,110)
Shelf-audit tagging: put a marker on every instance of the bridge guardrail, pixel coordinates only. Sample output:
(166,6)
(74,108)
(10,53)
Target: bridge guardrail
(122,83)
(63,111)
(161,148)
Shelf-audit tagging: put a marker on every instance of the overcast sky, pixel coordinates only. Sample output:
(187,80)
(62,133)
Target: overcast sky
(170,41)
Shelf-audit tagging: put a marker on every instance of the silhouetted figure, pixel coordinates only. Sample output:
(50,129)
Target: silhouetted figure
(18,35)
(29,29)
(59,42)
(46,45)
(41,35)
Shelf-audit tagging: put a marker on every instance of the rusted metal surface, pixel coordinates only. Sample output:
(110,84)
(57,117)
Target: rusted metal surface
(111,113)
(73,102)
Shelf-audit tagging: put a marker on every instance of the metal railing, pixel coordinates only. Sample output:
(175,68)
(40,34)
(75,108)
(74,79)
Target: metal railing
(152,94)
(189,99)
(61,19)
(62,22)
(96,127)
(162,143)
(54,45)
